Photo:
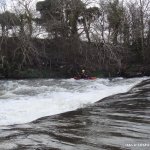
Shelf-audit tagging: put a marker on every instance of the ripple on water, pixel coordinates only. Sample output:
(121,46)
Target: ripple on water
(109,124)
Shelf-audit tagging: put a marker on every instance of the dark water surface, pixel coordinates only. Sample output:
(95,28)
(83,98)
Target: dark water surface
(110,124)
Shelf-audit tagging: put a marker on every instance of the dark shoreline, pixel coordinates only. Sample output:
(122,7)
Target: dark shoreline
(57,60)
(34,78)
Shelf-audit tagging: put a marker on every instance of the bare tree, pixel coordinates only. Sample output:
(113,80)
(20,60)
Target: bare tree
(26,49)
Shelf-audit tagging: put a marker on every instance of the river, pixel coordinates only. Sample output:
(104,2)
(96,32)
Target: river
(70,114)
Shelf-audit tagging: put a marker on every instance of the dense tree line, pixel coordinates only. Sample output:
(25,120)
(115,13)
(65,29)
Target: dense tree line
(65,36)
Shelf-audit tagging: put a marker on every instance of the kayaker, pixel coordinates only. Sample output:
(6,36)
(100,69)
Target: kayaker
(83,75)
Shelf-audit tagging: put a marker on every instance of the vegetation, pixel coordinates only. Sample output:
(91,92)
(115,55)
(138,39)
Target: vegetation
(58,38)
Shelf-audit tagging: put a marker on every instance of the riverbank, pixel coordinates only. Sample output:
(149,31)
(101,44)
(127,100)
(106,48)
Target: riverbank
(59,58)
(34,73)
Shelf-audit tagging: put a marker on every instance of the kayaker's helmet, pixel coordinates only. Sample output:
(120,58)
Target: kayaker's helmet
(83,71)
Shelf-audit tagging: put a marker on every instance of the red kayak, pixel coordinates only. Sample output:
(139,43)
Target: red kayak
(89,78)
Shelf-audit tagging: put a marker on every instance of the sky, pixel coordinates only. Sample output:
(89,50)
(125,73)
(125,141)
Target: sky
(8,3)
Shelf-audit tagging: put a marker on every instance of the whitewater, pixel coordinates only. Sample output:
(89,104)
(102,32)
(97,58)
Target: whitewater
(23,101)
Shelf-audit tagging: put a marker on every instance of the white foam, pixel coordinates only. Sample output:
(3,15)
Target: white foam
(25,101)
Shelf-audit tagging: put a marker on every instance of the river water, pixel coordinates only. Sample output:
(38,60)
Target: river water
(70,114)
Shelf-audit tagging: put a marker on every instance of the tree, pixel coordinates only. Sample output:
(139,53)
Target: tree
(139,16)
(24,52)
(115,16)
(63,16)
(52,17)
(7,21)
(89,15)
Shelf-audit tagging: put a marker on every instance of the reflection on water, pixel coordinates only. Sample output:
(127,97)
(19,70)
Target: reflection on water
(109,124)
